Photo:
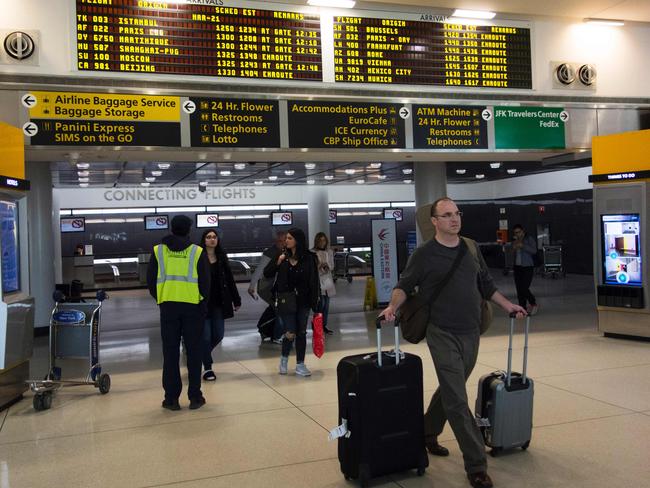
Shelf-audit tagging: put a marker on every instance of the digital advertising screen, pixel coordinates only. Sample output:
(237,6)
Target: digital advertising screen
(394,213)
(622,260)
(332,218)
(207,220)
(282,218)
(156,222)
(73,224)
(9,246)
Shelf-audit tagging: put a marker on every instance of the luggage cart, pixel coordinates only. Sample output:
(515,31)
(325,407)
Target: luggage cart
(552,264)
(74,334)
(341,267)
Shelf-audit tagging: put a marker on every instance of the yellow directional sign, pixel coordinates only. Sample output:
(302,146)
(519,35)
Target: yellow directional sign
(102,106)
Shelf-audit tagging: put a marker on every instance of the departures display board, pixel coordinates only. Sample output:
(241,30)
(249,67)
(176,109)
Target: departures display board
(372,50)
(197,38)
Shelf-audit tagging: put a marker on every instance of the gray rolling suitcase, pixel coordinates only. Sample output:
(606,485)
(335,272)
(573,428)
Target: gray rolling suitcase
(504,406)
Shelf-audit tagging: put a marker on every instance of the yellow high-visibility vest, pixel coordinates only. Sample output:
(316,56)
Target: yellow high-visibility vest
(178,278)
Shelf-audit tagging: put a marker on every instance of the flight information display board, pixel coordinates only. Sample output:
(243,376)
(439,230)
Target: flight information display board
(369,50)
(197,38)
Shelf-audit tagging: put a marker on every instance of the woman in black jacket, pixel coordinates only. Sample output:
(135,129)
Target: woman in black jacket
(223,300)
(297,290)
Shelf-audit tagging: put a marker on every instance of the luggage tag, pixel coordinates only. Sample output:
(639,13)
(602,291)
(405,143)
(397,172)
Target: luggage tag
(482,422)
(340,431)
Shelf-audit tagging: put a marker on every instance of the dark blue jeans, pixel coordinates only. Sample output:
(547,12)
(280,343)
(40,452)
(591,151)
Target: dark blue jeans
(212,334)
(324,308)
(296,323)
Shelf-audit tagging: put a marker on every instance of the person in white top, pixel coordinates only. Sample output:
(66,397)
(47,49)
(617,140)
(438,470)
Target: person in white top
(325,266)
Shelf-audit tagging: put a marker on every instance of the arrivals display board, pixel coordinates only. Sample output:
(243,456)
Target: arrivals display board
(102,119)
(197,38)
(230,122)
(376,50)
(317,124)
(449,127)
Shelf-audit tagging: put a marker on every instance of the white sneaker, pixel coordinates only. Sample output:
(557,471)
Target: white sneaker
(302,370)
(284,364)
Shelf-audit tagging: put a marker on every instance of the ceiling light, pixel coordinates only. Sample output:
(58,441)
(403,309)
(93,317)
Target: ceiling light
(512,171)
(461,171)
(225,172)
(145,183)
(495,165)
(350,171)
(382,177)
(375,165)
(310,165)
(164,165)
(474,14)
(203,183)
(407,171)
(360,182)
(610,22)
(273,178)
(84,180)
(156,173)
(83,165)
(83,173)
(329,177)
(289,172)
(259,182)
(240,165)
(150,179)
(332,3)
(311,182)
(83,185)
(408,182)
(479,176)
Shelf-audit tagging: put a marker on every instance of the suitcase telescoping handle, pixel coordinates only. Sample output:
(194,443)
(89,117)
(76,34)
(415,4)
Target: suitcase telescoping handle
(378,322)
(512,331)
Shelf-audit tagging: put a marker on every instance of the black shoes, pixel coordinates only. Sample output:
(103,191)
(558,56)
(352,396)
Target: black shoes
(328,331)
(197,402)
(436,449)
(209,375)
(171,405)
(479,480)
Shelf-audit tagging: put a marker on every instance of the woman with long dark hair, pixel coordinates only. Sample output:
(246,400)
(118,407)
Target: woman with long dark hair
(325,256)
(297,290)
(223,300)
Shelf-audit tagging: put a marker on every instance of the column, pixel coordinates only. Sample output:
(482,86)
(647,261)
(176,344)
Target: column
(430,184)
(41,240)
(318,213)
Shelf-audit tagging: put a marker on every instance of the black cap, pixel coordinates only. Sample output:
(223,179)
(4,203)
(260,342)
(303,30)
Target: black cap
(181,225)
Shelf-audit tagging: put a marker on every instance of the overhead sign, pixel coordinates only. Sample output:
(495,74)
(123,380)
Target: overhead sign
(100,119)
(207,220)
(449,127)
(529,128)
(345,125)
(376,50)
(282,218)
(384,257)
(626,176)
(200,37)
(156,222)
(11,183)
(229,122)
(73,224)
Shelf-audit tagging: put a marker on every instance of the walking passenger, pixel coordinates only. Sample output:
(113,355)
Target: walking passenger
(297,291)
(325,265)
(453,330)
(525,248)
(178,278)
(223,300)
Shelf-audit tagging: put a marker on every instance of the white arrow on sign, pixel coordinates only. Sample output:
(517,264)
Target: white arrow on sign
(189,107)
(29,100)
(564,115)
(30,129)
(486,114)
(404,112)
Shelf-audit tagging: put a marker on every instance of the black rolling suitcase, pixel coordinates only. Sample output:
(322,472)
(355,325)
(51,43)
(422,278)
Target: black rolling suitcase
(381,407)
(266,323)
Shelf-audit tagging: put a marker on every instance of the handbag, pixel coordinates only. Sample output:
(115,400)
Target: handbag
(318,339)
(413,314)
(286,303)
(487,312)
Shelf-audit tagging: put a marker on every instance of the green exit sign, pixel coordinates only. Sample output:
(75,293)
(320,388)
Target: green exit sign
(529,127)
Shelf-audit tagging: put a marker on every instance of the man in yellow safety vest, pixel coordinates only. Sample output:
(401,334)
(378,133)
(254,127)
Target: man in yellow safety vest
(179,279)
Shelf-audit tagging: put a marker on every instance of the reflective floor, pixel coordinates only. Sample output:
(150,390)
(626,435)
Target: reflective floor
(259,429)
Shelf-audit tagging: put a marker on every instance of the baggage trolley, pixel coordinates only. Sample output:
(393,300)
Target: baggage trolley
(552,264)
(74,334)
(341,267)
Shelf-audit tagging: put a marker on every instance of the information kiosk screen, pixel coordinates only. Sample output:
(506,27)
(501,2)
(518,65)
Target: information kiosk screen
(9,246)
(622,260)
(207,220)
(282,218)
(156,222)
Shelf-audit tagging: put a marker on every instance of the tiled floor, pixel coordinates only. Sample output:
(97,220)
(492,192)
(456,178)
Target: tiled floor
(259,429)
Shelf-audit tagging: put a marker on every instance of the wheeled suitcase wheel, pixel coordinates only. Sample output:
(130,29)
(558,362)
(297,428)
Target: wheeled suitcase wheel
(104,383)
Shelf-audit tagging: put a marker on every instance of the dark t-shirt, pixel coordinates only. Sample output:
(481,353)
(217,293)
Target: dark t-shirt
(458,307)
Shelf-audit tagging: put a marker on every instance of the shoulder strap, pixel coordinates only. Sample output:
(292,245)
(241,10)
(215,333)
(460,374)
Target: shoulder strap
(450,273)
(472,246)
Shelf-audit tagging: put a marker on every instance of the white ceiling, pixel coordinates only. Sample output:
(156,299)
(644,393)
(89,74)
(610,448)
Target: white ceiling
(630,10)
